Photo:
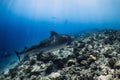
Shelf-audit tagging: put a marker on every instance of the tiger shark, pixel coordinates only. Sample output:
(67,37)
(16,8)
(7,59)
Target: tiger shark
(54,42)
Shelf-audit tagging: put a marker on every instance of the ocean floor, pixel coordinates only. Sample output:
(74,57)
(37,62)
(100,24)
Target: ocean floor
(9,62)
(91,56)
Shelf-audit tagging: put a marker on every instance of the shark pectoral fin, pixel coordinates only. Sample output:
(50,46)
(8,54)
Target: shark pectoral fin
(18,55)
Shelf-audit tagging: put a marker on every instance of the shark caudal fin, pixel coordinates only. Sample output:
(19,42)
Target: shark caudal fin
(18,55)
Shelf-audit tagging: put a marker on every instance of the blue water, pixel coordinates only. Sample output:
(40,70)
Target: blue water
(21,26)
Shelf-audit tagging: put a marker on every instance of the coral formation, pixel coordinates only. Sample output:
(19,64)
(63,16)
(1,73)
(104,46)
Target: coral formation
(92,56)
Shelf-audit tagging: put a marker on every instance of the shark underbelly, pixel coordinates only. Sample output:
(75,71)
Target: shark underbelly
(45,49)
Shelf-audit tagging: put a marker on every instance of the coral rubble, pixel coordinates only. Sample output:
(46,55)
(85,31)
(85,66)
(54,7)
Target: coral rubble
(92,56)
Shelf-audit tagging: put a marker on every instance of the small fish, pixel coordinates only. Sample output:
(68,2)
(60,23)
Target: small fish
(55,41)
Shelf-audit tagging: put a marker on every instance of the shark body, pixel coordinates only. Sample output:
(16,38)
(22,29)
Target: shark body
(55,41)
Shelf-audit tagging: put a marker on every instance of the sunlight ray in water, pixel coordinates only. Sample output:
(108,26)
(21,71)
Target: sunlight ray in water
(55,8)
(10,3)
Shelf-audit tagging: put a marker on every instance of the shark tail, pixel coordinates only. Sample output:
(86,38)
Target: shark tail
(18,55)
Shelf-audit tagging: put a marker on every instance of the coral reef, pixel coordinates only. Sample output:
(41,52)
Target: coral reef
(91,56)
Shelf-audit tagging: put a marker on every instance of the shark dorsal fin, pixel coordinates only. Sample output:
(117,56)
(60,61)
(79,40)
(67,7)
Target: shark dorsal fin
(53,33)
